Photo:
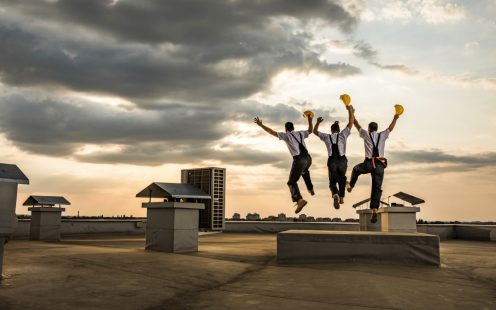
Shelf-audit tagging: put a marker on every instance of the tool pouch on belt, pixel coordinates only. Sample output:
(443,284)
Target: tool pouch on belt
(379,161)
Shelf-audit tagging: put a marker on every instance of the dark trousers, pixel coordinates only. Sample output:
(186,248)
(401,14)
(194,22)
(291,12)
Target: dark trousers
(337,167)
(301,164)
(377,175)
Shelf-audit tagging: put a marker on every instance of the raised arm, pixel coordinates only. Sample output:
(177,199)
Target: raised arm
(258,121)
(310,125)
(316,128)
(393,123)
(355,122)
(351,116)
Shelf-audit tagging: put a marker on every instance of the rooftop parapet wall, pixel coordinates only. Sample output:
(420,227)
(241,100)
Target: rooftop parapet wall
(76,227)
(444,231)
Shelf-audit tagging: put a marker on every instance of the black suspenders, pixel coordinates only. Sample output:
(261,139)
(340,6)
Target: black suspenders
(335,146)
(303,149)
(375,148)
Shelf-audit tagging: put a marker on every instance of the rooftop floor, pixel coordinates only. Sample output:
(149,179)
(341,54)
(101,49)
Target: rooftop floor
(234,271)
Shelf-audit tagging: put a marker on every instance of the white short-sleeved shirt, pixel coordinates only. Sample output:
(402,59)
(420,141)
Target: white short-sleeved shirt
(364,134)
(328,139)
(292,139)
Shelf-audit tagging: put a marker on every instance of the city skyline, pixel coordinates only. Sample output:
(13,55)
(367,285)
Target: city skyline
(100,98)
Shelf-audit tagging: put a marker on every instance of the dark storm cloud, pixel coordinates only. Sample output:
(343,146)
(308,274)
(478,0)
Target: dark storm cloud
(182,21)
(186,66)
(174,133)
(476,160)
(149,154)
(52,123)
(182,50)
(435,161)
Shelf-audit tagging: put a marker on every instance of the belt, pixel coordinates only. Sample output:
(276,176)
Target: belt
(381,159)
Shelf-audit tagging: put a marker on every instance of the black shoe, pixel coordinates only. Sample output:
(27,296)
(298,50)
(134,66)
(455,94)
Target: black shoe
(300,204)
(374,217)
(312,192)
(335,197)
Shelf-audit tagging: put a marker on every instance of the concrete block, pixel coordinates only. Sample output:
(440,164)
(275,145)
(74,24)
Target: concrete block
(296,246)
(172,240)
(399,219)
(172,218)
(45,223)
(172,226)
(8,199)
(364,217)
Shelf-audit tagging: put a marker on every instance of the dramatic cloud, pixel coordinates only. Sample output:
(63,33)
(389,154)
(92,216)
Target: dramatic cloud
(171,133)
(430,11)
(180,50)
(438,157)
(364,50)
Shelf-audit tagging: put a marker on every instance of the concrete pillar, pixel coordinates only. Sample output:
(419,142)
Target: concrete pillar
(399,219)
(390,219)
(8,199)
(45,223)
(172,226)
(8,219)
(364,217)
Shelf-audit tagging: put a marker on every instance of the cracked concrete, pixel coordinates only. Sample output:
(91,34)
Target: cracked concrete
(234,271)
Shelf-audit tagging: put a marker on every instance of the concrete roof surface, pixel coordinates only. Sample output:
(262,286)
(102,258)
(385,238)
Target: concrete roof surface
(234,271)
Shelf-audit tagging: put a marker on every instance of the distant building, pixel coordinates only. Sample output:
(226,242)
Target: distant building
(336,219)
(213,182)
(253,217)
(236,217)
(302,218)
(310,219)
(281,217)
(323,219)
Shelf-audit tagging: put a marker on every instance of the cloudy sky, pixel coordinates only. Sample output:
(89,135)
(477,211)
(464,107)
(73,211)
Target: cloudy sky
(99,98)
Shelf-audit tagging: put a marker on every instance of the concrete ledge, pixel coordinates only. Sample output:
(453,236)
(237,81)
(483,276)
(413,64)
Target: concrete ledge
(296,246)
(275,227)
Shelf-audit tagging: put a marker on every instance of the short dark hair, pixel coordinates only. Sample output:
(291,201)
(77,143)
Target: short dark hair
(335,127)
(289,126)
(373,126)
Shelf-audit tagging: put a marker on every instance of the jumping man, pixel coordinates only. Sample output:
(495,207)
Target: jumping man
(337,163)
(374,163)
(301,159)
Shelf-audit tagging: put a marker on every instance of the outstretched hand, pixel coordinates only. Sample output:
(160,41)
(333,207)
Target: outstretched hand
(320,119)
(257,121)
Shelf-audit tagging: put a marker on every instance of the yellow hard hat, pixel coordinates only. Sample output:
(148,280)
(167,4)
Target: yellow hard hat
(399,109)
(346,99)
(308,114)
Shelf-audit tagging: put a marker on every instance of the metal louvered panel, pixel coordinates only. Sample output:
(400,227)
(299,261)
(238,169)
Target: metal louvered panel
(212,181)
